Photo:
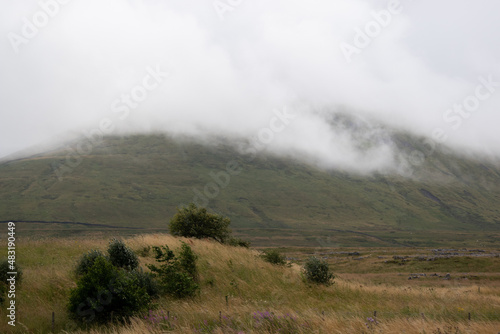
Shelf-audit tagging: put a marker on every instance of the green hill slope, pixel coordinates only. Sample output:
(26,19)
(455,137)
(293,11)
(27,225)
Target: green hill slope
(138,181)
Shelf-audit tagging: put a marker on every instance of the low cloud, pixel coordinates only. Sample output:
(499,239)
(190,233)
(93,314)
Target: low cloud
(232,64)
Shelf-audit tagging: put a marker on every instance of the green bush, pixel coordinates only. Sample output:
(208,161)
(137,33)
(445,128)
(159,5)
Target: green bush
(105,291)
(318,271)
(274,256)
(87,260)
(187,261)
(175,275)
(122,256)
(147,281)
(194,222)
(4,285)
(238,242)
(180,285)
(4,269)
(3,292)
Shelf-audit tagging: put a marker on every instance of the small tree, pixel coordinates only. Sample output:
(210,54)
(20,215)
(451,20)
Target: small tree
(318,271)
(121,255)
(175,275)
(194,222)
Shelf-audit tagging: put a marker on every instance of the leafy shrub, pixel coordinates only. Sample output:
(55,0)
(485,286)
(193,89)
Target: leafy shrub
(4,269)
(3,292)
(87,260)
(147,281)
(318,271)
(180,285)
(187,261)
(274,256)
(175,276)
(238,242)
(194,222)
(105,291)
(122,256)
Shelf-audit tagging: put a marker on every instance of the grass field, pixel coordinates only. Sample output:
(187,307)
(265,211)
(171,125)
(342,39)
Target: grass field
(286,237)
(367,280)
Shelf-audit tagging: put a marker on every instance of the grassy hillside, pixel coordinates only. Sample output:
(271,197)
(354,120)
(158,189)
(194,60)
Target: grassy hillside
(138,181)
(254,287)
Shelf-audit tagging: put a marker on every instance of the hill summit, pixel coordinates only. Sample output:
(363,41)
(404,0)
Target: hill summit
(137,181)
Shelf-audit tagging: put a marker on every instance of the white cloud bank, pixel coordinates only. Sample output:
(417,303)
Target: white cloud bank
(69,65)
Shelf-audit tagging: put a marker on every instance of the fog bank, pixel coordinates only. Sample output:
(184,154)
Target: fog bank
(275,73)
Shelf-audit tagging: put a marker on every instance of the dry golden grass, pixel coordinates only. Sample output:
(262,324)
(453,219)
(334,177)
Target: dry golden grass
(333,326)
(252,285)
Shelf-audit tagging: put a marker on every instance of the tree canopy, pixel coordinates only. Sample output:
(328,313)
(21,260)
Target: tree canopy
(194,222)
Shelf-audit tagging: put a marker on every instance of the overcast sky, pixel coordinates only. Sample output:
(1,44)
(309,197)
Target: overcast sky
(232,65)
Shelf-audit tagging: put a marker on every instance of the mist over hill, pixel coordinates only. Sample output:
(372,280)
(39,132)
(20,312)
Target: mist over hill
(137,181)
(202,69)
